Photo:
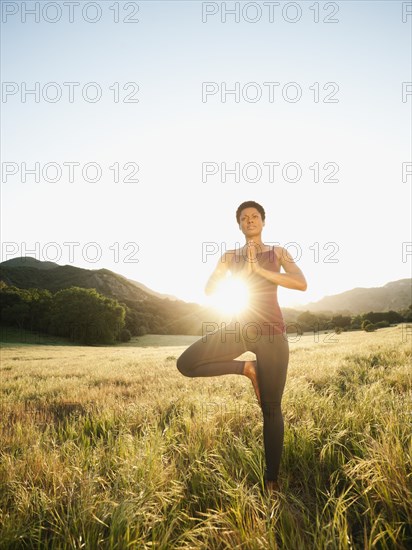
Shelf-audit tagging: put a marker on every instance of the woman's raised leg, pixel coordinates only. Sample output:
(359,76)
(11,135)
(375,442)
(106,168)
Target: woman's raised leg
(214,353)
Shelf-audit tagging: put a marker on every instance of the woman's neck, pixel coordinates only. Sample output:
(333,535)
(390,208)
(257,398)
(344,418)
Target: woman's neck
(256,240)
(260,245)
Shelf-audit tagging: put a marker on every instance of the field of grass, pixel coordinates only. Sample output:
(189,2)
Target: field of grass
(13,335)
(111,447)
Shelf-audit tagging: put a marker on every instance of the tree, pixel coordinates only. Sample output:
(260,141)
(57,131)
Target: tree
(390,316)
(367,326)
(86,316)
(40,305)
(17,314)
(341,321)
(125,335)
(307,321)
(142,330)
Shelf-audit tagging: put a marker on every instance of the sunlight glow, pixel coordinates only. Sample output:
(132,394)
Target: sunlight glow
(231,296)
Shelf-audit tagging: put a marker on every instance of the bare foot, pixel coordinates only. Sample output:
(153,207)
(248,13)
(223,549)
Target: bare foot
(272,486)
(250,371)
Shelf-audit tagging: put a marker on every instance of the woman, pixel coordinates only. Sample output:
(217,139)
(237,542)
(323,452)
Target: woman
(259,328)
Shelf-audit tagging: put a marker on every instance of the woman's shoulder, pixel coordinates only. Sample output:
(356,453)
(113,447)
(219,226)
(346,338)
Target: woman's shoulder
(278,251)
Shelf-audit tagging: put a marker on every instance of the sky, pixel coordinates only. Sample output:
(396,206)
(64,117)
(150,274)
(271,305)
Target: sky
(132,131)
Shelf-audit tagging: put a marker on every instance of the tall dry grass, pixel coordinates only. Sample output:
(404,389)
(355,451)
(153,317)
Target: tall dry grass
(111,447)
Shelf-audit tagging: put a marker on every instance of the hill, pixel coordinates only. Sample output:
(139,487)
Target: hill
(395,295)
(158,313)
(150,311)
(27,272)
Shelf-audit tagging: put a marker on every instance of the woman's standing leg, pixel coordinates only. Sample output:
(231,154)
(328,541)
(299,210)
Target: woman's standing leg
(272,356)
(214,353)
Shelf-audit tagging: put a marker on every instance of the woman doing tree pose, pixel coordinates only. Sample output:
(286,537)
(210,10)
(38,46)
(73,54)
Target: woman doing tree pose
(258,328)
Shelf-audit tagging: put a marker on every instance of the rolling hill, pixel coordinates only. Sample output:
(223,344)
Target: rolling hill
(395,295)
(157,313)
(28,272)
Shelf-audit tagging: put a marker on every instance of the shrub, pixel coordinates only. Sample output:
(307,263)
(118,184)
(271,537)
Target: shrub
(125,335)
(365,323)
(142,330)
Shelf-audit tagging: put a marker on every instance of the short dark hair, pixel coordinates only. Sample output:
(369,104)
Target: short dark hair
(250,204)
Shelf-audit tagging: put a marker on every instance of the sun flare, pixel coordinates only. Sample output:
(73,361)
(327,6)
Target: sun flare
(231,296)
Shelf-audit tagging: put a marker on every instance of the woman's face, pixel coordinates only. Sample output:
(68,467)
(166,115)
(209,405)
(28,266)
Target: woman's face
(250,222)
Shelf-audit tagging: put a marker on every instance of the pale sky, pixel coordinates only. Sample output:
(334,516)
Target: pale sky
(314,99)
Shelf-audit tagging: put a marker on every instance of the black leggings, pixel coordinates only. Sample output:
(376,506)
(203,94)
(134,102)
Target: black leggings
(214,354)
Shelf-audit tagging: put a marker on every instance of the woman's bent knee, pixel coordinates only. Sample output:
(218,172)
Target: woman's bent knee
(183,366)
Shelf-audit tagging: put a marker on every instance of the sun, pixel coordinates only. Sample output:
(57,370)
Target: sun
(231,296)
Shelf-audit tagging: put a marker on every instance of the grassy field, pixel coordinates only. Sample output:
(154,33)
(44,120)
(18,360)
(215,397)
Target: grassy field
(111,447)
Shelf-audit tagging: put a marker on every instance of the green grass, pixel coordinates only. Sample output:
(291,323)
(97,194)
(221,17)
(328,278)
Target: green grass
(22,337)
(13,335)
(161,340)
(111,447)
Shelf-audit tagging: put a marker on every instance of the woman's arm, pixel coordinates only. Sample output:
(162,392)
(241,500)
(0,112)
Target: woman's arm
(293,278)
(219,273)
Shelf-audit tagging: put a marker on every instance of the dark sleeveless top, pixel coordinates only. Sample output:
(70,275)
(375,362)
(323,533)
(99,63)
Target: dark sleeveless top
(263,311)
